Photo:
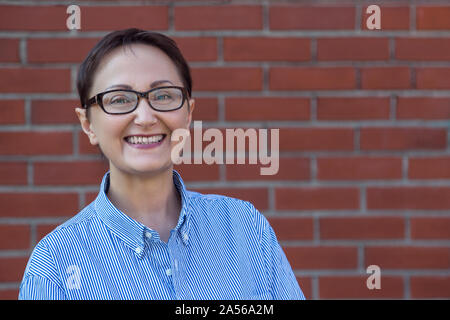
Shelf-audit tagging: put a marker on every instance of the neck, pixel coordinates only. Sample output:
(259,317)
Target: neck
(150,199)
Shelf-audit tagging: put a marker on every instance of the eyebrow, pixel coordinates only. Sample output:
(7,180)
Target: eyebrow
(152,85)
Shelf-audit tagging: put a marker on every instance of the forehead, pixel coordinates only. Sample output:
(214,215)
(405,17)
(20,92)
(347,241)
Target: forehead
(137,65)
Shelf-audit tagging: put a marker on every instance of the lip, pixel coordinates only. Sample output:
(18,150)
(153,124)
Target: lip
(146,146)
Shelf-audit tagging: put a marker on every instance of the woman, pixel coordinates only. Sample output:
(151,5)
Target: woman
(145,236)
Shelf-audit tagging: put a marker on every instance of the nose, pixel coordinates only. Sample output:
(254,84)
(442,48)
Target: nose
(145,115)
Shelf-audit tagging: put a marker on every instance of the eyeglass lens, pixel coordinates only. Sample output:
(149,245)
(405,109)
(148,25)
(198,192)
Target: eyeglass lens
(165,99)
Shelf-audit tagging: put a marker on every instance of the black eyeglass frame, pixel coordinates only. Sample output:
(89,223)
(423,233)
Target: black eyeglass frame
(98,99)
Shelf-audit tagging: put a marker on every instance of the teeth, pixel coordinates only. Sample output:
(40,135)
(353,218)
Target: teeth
(144,140)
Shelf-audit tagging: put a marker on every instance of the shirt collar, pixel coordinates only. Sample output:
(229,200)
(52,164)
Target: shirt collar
(131,231)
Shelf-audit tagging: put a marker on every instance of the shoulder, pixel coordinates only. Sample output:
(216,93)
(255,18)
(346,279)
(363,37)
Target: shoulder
(240,213)
(45,254)
(80,221)
(229,204)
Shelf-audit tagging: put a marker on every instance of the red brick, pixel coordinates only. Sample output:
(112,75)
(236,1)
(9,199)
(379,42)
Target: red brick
(12,268)
(425,108)
(316,198)
(34,18)
(422,49)
(39,80)
(359,168)
(121,17)
(227,78)
(35,143)
(43,229)
(288,169)
(423,287)
(314,258)
(14,237)
(403,138)
(267,108)
(10,50)
(266,49)
(220,17)
(433,18)
(414,198)
(392,18)
(85,147)
(13,173)
(54,111)
(305,284)
(367,108)
(257,196)
(289,17)
(362,228)
(206,109)
(312,78)
(12,112)
(386,78)
(433,78)
(432,228)
(90,197)
(295,139)
(408,257)
(49,50)
(198,172)
(69,173)
(197,49)
(352,49)
(290,228)
(31,205)
(9,294)
(355,287)
(429,168)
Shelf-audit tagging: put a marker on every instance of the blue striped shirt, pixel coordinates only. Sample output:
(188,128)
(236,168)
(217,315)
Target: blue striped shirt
(221,248)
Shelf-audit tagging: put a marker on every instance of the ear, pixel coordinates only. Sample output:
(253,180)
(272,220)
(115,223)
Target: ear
(191,109)
(86,125)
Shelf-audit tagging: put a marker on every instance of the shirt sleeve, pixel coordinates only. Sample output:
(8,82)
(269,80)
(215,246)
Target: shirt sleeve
(41,280)
(283,284)
(39,288)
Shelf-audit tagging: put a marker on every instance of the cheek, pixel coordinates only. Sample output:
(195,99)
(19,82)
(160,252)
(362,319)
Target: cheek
(176,120)
(111,130)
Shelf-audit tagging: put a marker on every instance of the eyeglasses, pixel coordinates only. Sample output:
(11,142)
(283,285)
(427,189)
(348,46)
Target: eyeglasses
(122,101)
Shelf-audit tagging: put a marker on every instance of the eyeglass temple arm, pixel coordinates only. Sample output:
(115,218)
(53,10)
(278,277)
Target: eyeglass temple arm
(90,102)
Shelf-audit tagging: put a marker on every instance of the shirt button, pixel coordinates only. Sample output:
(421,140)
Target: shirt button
(138,250)
(148,234)
(169,272)
(176,264)
(185,237)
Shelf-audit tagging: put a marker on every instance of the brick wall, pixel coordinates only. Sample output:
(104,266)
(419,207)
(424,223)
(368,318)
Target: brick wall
(363,116)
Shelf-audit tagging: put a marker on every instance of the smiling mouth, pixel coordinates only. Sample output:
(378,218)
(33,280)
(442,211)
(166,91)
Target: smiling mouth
(145,140)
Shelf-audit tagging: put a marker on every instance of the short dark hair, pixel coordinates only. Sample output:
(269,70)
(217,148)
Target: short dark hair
(124,38)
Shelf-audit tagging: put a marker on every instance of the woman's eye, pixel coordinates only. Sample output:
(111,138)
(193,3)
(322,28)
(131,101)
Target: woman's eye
(119,100)
(163,97)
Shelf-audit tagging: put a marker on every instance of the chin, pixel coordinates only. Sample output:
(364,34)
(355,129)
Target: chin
(146,167)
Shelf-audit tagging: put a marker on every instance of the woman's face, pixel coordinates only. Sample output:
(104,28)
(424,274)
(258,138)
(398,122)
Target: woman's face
(138,68)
